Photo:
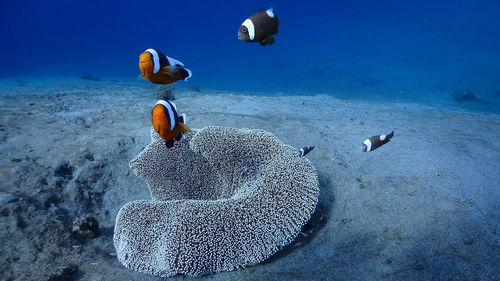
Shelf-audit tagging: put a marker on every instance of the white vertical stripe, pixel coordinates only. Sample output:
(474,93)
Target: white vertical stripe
(170,113)
(368,144)
(251,29)
(156,60)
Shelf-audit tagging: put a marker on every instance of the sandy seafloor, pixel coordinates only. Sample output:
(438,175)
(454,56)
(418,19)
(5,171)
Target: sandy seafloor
(423,207)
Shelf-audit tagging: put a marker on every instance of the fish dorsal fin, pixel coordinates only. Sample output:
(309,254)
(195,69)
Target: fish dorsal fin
(270,12)
(173,61)
(189,74)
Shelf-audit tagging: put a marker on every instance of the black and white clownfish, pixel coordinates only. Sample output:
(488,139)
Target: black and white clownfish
(306,149)
(259,27)
(167,123)
(375,142)
(160,69)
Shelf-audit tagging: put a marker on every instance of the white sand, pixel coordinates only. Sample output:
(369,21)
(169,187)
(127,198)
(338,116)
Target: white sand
(423,206)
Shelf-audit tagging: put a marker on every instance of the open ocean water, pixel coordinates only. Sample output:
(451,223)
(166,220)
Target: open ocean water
(434,53)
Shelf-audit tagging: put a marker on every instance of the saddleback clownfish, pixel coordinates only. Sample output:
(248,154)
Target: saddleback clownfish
(160,69)
(306,149)
(375,142)
(259,27)
(167,123)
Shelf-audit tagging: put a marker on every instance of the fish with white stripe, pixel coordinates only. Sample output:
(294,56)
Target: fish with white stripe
(161,69)
(259,27)
(305,150)
(375,142)
(167,123)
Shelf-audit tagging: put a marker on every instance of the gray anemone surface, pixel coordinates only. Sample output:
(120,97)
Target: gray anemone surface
(222,198)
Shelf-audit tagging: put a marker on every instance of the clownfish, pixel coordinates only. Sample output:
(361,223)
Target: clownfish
(259,27)
(306,149)
(167,123)
(160,69)
(375,142)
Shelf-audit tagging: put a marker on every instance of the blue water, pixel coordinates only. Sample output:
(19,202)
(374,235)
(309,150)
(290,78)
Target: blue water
(416,51)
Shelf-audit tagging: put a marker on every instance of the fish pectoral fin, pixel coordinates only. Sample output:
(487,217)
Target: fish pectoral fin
(183,127)
(170,70)
(269,40)
(166,70)
(173,61)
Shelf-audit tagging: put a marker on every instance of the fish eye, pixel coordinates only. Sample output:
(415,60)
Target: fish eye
(244,30)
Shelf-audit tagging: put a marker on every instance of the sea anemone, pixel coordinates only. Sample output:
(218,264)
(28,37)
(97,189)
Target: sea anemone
(222,199)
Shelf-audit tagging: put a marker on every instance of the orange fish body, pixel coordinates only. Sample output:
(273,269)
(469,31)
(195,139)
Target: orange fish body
(160,69)
(167,123)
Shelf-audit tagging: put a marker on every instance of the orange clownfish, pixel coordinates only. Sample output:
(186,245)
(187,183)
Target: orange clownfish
(160,69)
(167,123)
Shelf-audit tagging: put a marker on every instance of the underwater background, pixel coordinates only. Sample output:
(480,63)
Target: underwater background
(429,52)
(424,206)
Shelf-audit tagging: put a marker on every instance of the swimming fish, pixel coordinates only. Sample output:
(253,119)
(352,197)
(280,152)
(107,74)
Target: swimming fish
(160,69)
(167,123)
(259,27)
(375,142)
(306,149)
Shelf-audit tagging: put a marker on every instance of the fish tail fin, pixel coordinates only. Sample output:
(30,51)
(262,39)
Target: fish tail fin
(169,143)
(172,70)
(185,73)
(391,134)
